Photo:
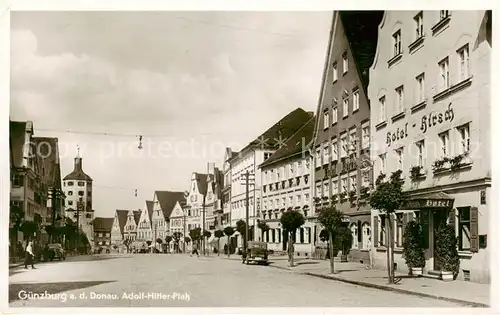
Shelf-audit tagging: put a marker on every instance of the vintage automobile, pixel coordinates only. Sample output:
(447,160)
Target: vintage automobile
(257,253)
(55,251)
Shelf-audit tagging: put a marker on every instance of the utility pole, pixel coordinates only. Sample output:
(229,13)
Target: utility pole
(184,234)
(248,179)
(203,219)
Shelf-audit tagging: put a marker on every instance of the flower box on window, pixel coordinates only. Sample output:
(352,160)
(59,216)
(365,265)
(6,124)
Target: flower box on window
(440,164)
(343,195)
(334,197)
(352,196)
(325,198)
(416,172)
(459,161)
(317,199)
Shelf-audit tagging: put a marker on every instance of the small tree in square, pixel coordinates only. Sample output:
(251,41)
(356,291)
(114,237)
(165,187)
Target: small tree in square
(228,231)
(290,221)
(331,219)
(388,197)
(168,239)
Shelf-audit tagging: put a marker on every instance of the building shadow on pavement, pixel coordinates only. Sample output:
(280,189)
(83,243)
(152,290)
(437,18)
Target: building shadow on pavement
(51,288)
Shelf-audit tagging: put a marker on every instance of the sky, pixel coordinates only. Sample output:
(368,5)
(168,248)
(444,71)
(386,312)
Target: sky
(189,83)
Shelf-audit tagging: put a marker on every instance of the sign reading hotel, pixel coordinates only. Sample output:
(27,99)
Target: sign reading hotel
(427,204)
(426,122)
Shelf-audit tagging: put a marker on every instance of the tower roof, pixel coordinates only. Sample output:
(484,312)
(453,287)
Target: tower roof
(78,173)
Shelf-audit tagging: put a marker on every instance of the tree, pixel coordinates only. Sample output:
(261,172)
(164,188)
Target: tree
(331,219)
(218,234)
(149,243)
(195,235)
(16,217)
(29,228)
(241,227)
(413,246)
(187,239)
(168,239)
(177,238)
(262,225)
(290,221)
(228,231)
(387,197)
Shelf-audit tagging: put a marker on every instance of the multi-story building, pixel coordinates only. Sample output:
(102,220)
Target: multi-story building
(177,223)
(196,202)
(77,187)
(117,230)
(286,186)
(226,190)
(342,173)
(249,158)
(144,230)
(164,203)
(102,232)
(430,94)
(29,189)
(215,184)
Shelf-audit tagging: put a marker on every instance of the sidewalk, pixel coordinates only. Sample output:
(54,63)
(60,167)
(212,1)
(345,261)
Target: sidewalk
(468,293)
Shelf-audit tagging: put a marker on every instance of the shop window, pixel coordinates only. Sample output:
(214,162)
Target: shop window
(365,244)
(302,238)
(354,231)
(399,230)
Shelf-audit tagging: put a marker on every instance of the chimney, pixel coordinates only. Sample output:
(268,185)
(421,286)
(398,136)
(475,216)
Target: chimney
(78,164)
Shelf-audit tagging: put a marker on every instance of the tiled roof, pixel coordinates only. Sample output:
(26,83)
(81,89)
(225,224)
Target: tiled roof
(78,173)
(102,224)
(137,216)
(361,30)
(168,199)
(122,218)
(150,208)
(17,133)
(282,130)
(294,144)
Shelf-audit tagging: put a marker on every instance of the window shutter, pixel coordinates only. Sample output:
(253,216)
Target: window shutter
(474,233)
(375,231)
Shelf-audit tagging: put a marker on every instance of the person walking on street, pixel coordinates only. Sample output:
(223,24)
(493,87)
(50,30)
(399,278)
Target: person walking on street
(29,258)
(195,250)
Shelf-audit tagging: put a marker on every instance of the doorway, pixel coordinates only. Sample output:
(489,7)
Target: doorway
(439,219)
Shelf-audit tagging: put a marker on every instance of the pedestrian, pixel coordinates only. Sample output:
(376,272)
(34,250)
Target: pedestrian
(195,251)
(226,249)
(29,258)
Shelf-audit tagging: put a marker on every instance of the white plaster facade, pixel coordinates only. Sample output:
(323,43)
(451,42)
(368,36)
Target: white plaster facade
(440,60)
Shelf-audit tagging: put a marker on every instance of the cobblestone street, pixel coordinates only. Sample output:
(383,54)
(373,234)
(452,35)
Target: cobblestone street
(191,282)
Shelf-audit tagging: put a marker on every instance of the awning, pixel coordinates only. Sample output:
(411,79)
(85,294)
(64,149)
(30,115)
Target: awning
(435,200)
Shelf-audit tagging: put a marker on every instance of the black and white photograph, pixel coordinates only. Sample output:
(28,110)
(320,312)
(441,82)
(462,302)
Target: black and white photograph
(213,159)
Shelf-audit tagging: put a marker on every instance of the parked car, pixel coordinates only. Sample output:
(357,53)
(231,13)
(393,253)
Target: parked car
(55,251)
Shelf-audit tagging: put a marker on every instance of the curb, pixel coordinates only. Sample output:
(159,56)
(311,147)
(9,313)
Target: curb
(403,291)
(386,288)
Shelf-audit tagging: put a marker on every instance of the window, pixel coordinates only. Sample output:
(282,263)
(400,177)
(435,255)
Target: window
(420,89)
(443,14)
(463,59)
(335,187)
(352,141)
(398,235)
(464,138)
(326,120)
(345,63)
(283,202)
(71,183)
(400,158)
(345,187)
(89,194)
(290,200)
(464,228)
(335,115)
(273,235)
(366,239)
(299,200)
(70,202)
(318,190)
(302,240)
(355,100)
(381,238)
(326,189)
(334,150)
(345,107)
(419,25)
(421,152)
(306,199)
(444,73)
(445,139)
(396,43)
(18,180)
(365,136)
(343,145)
(70,193)
(335,72)
(400,102)
(382,161)
(354,232)
(382,109)
(354,183)
(81,184)
(326,154)
(318,157)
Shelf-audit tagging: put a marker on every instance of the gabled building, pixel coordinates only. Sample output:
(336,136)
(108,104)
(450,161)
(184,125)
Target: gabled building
(144,230)
(249,158)
(430,90)
(29,191)
(286,186)
(196,201)
(102,232)
(164,202)
(342,166)
(117,231)
(130,228)
(177,221)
